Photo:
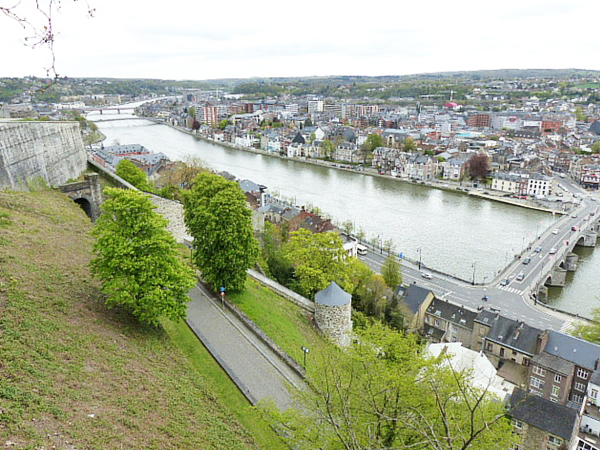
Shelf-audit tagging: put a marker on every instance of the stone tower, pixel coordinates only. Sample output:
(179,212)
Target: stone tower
(333,308)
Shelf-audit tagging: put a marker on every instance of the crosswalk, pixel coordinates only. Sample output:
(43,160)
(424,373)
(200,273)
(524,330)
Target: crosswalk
(510,289)
(567,327)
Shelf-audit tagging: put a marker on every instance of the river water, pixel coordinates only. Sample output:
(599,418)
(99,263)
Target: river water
(452,232)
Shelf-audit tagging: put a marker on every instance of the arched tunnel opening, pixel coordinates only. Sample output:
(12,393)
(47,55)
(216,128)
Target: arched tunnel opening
(85,205)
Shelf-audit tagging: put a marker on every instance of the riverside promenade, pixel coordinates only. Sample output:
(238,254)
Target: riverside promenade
(253,366)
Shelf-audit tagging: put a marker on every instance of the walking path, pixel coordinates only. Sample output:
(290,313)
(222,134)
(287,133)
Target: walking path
(257,371)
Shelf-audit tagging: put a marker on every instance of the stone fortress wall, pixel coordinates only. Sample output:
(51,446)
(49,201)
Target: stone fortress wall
(52,151)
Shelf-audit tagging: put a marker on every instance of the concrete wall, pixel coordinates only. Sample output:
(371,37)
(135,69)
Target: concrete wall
(52,151)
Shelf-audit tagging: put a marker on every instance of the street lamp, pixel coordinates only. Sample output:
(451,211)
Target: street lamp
(419,250)
(473,282)
(305,350)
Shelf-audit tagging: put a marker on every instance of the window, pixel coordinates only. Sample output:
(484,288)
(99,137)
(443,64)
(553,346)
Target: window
(501,351)
(437,323)
(539,371)
(454,328)
(577,398)
(517,424)
(525,361)
(554,440)
(537,383)
(490,346)
(426,319)
(582,373)
(555,391)
(579,386)
(594,393)
(557,378)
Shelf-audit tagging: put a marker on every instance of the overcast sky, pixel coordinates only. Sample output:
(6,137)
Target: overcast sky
(196,40)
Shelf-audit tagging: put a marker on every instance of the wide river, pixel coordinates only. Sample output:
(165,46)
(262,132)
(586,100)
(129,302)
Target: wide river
(451,232)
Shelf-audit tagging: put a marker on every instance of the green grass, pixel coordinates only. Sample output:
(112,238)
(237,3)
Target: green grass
(287,324)
(207,367)
(74,374)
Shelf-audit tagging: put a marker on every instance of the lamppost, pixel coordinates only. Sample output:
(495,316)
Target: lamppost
(473,282)
(419,250)
(305,350)
(484,278)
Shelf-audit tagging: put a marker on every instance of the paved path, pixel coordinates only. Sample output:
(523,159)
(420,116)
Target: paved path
(256,370)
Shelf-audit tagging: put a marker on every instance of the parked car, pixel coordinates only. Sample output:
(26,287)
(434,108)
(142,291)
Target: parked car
(555,231)
(574,228)
(552,250)
(504,282)
(426,275)
(520,277)
(526,260)
(538,249)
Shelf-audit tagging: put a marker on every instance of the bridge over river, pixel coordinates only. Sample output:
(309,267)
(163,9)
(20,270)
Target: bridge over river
(519,290)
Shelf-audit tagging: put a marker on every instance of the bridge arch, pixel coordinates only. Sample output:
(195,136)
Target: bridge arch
(86,205)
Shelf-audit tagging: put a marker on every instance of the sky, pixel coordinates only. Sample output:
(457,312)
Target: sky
(196,40)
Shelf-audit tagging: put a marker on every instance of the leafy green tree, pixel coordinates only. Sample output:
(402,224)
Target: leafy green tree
(410,145)
(328,148)
(137,259)
(391,272)
(383,393)
(372,295)
(580,116)
(347,226)
(373,141)
(596,147)
(216,215)
(318,259)
(133,175)
(361,234)
(589,331)
(192,112)
(272,251)
(223,124)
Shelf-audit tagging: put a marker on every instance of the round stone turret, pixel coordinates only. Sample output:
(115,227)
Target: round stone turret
(333,308)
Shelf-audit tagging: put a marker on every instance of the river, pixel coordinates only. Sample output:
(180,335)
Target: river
(452,232)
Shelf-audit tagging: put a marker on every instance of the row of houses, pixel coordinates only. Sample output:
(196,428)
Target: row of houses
(110,156)
(552,380)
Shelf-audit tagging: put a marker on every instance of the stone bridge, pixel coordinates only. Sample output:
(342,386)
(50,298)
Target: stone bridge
(554,272)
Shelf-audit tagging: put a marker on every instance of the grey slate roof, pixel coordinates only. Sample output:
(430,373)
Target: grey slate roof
(543,414)
(554,363)
(578,351)
(333,295)
(249,186)
(413,296)
(513,334)
(452,313)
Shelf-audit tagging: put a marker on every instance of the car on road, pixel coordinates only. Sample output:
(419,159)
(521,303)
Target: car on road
(574,228)
(538,249)
(574,216)
(526,260)
(520,277)
(552,250)
(426,275)
(504,282)
(555,231)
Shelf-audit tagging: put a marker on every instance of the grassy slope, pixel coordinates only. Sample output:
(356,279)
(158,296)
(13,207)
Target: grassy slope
(64,357)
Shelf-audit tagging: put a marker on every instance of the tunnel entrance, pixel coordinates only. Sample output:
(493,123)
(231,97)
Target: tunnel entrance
(85,205)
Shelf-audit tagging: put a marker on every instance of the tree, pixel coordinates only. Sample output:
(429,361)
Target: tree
(479,165)
(580,116)
(589,331)
(318,259)
(596,147)
(372,295)
(192,112)
(279,266)
(182,174)
(308,123)
(133,175)
(390,271)
(328,148)
(137,260)
(223,124)
(373,141)
(216,215)
(361,234)
(42,33)
(410,145)
(383,393)
(195,125)
(347,227)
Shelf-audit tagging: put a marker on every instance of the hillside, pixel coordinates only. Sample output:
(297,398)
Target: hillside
(74,374)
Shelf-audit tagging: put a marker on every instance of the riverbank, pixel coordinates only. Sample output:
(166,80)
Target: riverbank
(436,184)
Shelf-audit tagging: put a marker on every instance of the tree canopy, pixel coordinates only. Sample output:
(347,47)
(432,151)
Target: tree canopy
(479,165)
(383,393)
(318,259)
(218,219)
(133,175)
(136,259)
(590,331)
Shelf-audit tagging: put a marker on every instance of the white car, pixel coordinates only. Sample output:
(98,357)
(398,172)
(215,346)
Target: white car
(426,275)
(552,250)
(555,231)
